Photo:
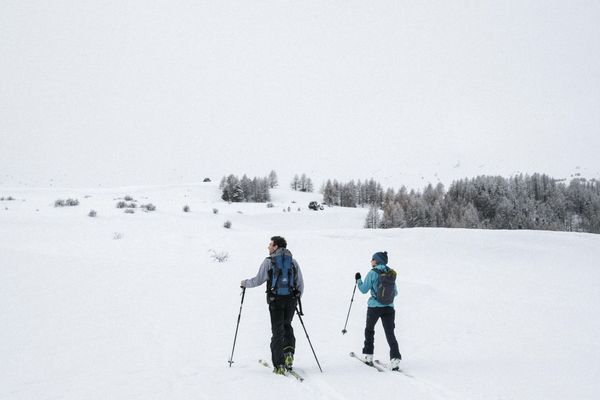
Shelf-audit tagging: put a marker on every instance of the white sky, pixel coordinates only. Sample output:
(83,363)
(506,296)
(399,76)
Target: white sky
(123,93)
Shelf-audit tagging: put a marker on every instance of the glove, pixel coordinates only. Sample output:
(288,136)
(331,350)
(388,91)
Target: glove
(243,284)
(357,276)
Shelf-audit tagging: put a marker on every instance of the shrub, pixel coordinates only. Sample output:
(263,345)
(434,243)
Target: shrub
(92,213)
(206,180)
(219,256)
(124,204)
(129,211)
(186,208)
(215,211)
(270,205)
(227,224)
(148,207)
(117,236)
(66,203)
(128,198)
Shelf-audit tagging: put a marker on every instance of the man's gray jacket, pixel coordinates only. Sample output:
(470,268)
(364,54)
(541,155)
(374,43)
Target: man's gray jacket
(263,274)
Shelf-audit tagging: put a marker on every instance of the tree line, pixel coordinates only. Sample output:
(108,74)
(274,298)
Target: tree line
(493,202)
(234,189)
(535,201)
(256,190)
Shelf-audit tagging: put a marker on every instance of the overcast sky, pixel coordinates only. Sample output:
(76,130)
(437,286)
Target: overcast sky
(135,92)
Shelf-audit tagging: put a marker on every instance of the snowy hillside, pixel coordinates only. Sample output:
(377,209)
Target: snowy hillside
(125,306)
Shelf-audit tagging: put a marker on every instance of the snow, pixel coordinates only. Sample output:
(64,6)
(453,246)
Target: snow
(480,314)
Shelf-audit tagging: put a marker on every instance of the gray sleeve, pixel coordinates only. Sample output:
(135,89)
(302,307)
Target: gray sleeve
(300,279)
(262,275)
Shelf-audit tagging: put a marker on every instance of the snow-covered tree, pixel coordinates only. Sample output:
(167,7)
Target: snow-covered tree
(273,181)
(373,219)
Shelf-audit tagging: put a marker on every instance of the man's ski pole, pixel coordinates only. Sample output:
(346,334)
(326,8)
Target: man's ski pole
(300,314)
(237,326)
(351,301)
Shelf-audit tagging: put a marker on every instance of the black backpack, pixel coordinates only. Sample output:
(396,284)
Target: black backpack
(282,280)
(386,285)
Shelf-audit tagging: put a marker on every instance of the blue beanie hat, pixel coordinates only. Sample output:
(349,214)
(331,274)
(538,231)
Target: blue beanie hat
(380,257)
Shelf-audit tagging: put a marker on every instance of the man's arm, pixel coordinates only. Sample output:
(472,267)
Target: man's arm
(300,281)
(261,277)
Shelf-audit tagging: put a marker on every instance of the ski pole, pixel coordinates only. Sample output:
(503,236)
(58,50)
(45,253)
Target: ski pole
(303,327)
(351,301)
(236,327)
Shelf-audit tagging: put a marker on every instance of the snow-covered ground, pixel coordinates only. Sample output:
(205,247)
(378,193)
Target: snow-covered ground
(133,306)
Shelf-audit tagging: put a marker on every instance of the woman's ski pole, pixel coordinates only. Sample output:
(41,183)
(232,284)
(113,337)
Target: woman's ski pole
(351,301)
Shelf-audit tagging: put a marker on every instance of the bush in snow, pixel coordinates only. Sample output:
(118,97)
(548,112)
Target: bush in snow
(117,236)
(124,204)
(66,203)
(270,205)
(227,224)
(186,208)
(128,198)
(215,211)
(9,198)
(129,211)
(219,256)
(206,180)
(148,207)
(92,213)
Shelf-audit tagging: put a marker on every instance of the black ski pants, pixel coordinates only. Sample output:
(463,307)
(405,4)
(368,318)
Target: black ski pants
(388,316)
(282,339)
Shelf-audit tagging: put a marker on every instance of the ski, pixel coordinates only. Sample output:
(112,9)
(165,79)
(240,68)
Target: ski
(288,372)
(386,366)
(295,375)
(377,367)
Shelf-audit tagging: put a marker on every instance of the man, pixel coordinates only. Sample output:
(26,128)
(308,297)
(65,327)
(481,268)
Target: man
(380,305)
(284,289)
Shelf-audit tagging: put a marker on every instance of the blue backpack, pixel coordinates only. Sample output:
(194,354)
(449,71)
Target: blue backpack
(282,276)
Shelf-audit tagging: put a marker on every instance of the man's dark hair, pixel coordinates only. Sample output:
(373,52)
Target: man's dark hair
(279,241)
